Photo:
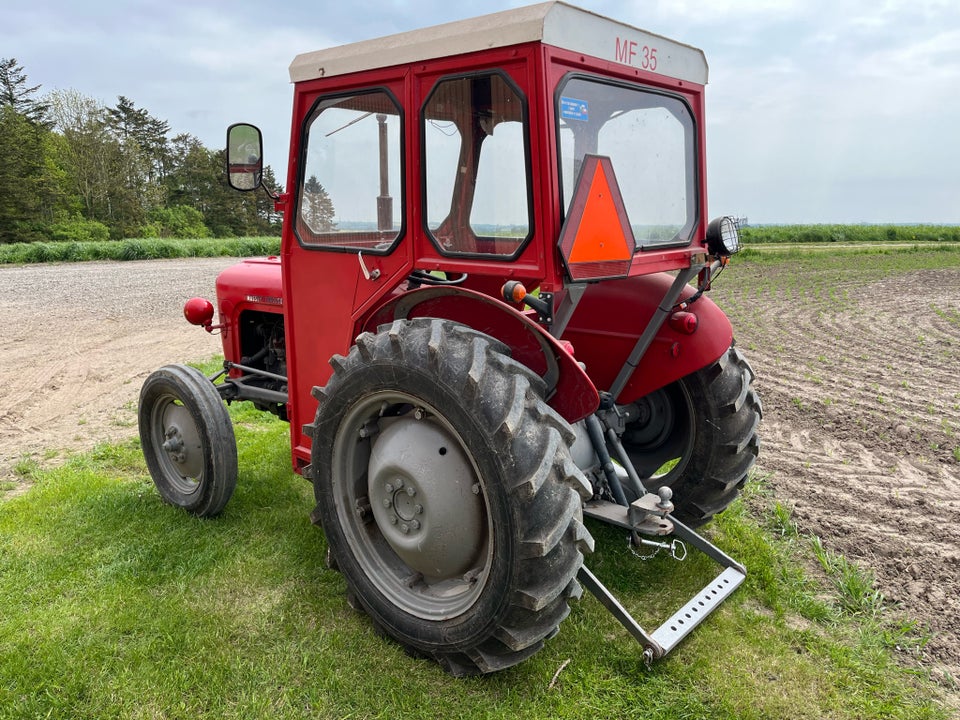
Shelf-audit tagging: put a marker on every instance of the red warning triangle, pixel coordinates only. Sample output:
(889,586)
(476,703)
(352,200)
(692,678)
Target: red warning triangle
(596,240)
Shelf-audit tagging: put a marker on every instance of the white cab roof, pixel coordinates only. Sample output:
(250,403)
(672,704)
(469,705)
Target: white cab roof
(552,23)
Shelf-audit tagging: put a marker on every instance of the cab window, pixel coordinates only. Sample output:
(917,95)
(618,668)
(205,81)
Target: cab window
(350,196)
(650,138)
(477,186)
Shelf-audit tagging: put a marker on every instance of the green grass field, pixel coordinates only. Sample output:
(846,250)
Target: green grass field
(136,249)
(115,605)
(118,606)
(845,234)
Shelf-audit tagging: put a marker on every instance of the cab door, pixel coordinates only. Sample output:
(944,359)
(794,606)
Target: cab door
(344,246)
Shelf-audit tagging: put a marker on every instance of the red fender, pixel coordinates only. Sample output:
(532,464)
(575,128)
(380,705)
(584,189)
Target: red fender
(613,314)
(569,390)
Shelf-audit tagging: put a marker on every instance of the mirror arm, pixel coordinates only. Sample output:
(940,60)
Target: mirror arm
(270,193)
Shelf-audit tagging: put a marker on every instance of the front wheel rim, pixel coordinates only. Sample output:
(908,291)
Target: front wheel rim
(178,445)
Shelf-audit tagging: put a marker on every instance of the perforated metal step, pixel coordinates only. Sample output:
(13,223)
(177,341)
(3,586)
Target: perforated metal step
(679,625)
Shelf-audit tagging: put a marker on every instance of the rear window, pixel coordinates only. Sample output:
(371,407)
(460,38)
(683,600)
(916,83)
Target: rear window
(650,138)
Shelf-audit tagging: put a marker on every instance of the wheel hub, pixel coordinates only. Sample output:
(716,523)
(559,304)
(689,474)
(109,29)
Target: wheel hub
(181,443)
(174,445)
(425,498)
(654,421)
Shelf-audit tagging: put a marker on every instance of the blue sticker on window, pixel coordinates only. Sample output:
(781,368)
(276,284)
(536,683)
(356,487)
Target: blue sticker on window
(573,109)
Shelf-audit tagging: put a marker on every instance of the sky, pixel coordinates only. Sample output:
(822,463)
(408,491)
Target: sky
(818,111)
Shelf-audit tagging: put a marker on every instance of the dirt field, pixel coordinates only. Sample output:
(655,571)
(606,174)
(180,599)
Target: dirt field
(858,372)
(80,338)
(858,367)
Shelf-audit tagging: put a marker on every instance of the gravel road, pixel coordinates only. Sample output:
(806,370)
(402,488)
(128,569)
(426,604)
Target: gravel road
(79,340)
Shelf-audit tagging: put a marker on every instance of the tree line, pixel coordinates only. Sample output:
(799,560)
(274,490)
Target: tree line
(72,168)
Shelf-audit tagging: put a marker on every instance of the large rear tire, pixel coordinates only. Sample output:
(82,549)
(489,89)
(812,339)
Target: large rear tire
(447,494)
(698,436)
(187,440)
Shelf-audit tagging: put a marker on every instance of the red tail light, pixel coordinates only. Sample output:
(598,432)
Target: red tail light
(684,322)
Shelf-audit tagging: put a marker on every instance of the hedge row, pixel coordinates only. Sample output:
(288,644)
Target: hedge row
(759,234)
(137,249)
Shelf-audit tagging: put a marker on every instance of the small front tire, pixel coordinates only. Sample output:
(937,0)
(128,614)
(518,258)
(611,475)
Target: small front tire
(187,440)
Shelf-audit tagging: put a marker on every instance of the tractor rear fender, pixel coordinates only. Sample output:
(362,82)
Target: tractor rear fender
(569,390)
(613,314)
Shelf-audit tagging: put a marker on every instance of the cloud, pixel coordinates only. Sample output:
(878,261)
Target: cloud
(816,110)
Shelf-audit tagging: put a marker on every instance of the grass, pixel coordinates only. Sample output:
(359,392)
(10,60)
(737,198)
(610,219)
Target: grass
(772,241)
(855,585)
(827,233)
(118,606)
(137,249)
(804,252)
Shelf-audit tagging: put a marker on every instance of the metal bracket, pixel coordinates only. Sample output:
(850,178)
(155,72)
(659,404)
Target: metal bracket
(666,637)
(653,326)
(238,389)
(639,516)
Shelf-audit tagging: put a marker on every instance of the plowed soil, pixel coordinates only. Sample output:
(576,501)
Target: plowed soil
(858,367)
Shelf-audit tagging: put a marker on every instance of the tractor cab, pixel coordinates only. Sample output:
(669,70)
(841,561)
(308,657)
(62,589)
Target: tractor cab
(545,146)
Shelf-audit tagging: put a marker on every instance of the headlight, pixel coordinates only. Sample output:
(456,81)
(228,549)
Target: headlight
(723,236)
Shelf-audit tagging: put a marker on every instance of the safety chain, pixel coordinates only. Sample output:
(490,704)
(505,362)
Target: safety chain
(678,551)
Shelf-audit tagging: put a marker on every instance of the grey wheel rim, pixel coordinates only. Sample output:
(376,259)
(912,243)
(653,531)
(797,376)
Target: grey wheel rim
(177,444)
(412,505)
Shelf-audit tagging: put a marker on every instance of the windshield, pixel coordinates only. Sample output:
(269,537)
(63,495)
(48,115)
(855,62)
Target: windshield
(650,139)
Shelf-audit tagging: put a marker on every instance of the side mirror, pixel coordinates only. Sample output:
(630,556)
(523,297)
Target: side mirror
(244,156)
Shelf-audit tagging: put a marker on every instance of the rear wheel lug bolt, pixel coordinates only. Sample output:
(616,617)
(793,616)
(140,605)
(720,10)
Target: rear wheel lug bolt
(387,502)
(418,509)
(415,524)
(388,487)
(405,528)
(411,491)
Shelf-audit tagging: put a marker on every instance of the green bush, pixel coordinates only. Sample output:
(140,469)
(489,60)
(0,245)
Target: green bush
(79,229)
(179,221)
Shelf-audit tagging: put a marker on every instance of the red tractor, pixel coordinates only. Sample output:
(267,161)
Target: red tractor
(487,321)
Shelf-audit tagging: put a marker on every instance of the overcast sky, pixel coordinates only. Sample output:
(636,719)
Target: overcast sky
(818,110)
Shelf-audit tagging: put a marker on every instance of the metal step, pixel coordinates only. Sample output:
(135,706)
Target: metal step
(668,635)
